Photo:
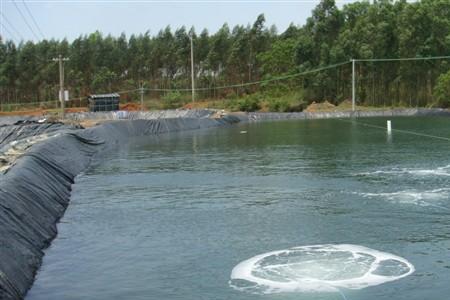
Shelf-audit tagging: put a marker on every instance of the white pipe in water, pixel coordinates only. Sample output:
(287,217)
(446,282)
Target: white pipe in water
(389,126)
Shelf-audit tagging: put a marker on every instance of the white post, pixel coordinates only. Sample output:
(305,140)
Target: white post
(192,68)
(389,126)
(142,96)
(353,86)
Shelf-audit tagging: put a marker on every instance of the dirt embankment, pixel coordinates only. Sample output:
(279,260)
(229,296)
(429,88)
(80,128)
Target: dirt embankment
(345,105)
(39,112)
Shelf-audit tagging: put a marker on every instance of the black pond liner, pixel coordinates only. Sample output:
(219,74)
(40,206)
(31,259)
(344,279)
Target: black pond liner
(35,192)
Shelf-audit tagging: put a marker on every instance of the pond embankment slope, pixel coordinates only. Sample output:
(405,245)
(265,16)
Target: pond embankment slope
(35,190)
(35,186)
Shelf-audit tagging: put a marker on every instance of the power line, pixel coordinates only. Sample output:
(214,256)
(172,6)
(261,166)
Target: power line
(255,82)
(402,59)
(8,31)
(283,77)
(33,19)
(353,61)
(299,74)
(12,26)
(25,19)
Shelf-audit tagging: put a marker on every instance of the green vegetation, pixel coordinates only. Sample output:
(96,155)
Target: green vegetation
(290,102)
(173,100)
(246,103)
(442,90)
(364,30)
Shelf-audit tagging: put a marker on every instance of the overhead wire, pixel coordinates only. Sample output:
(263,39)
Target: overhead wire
(253,82)
(401,59)
(33,19)
(9,32)
(25,20)
(127,91)
(294,75)
(11,26)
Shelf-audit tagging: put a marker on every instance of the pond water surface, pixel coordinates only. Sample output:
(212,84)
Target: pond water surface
(169,217)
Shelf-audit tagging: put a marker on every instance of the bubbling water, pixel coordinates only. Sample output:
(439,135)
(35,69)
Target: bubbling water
(318,268)
(439,171)
(434,198)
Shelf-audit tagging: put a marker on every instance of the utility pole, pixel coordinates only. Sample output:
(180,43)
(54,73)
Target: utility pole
(61,61)
(142,96)
(192,68)
(353,86)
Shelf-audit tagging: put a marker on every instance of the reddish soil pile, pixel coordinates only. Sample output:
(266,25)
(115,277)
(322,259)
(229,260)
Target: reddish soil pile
(318,107)
(130,106)
(76,109)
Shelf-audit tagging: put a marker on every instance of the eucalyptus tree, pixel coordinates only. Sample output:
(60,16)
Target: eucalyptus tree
(363,30)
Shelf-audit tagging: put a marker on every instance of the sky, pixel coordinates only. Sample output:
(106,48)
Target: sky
(69,19)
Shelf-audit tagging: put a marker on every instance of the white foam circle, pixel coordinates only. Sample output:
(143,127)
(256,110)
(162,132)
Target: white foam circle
(318,268)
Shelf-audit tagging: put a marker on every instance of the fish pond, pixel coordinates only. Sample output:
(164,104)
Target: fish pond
(311,209)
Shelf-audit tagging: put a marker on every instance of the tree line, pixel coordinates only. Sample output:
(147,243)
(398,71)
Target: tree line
(256,52)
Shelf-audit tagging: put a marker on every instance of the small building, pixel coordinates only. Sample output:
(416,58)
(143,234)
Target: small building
(104,102)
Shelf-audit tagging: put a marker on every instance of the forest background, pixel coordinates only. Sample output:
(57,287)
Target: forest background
(251,67)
